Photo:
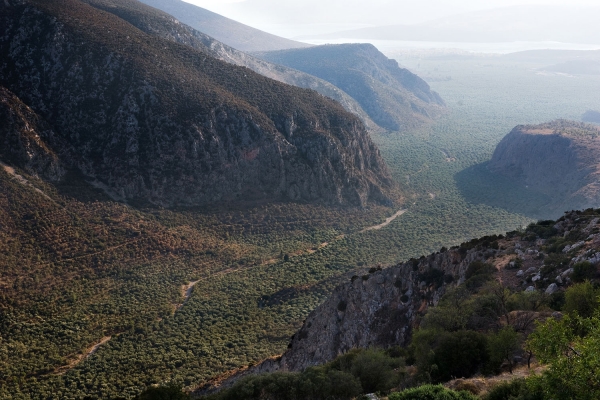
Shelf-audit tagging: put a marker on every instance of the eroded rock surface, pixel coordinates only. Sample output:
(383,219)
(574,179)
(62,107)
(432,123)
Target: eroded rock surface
(560,159)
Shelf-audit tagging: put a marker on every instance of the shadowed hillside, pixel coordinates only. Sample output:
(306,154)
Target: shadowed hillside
(394,98)
(153,121)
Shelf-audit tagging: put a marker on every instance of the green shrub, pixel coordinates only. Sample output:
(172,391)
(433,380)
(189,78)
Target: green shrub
(502,347)
(452,312)
(581,299)
(431,392)
(441,356)
(433,276)
(168,392)
(375,370)
(477,274)
(583,271)
(518,389)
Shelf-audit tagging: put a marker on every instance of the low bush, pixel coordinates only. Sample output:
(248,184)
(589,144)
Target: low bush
(431,392)
(441,356)
(583,271)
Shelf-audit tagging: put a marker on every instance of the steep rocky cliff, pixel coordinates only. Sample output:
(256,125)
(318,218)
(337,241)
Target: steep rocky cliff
(378,308)
(394,97)
(153,120)
(23,139)
(560,159)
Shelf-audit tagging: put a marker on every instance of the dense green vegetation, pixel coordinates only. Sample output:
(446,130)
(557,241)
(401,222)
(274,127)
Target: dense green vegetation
(431,392)
(569,346)
(358,371)
(77,271)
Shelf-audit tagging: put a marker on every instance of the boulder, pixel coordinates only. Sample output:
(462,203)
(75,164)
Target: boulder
(553,288)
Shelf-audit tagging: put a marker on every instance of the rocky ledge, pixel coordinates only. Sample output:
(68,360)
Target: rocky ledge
(560,159)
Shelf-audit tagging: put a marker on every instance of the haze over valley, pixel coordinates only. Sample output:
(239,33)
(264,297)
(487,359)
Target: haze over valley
(193,196)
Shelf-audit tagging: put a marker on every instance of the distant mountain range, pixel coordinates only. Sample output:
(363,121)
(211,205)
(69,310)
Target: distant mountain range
(228,31)
(569,24)
(553,56)
(393,97)
(111,95)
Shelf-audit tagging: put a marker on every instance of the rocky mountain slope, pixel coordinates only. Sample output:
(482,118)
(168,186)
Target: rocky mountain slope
(560,159)
(228,31)
(152,120)
(381,307)
(23,136)
(156,22)
(394,98)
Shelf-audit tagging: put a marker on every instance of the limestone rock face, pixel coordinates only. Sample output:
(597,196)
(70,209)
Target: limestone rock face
(152,120)
(24,138)
(560,159)
(378,309)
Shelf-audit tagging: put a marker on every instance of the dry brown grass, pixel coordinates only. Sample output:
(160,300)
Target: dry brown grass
(480,385)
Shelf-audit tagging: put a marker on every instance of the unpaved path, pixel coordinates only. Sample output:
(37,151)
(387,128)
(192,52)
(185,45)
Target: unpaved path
(95,347)
(386,222)
(325,244)
(186,290)
(80,357)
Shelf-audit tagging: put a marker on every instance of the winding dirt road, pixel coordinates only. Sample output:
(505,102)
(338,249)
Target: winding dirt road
(386,222)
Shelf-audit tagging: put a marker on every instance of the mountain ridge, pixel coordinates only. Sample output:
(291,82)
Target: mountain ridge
(226,30)
(250,136)
(394,97)
(503,24)
(559,159)
(157,22)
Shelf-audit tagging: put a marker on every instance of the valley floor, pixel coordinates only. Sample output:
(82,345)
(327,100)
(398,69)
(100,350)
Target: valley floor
(256,274)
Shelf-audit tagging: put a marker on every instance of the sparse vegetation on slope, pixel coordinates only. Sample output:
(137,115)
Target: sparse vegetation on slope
(165,124)
(394,98)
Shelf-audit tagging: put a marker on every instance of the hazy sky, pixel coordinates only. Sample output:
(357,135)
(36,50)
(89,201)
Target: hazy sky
(291,18)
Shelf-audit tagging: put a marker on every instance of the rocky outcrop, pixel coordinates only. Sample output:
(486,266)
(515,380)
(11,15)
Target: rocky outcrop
(377,307)
(24,137)
(382,307)
(560,159)
(394,98)
(152,120)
